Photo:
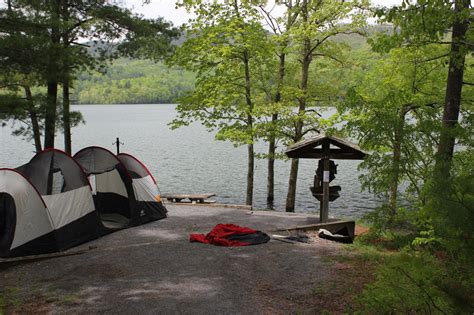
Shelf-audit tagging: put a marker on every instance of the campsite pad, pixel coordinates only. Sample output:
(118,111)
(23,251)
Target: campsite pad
(154,269)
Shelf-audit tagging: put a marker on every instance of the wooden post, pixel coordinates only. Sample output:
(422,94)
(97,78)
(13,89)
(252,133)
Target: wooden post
(324,213)
(118,145)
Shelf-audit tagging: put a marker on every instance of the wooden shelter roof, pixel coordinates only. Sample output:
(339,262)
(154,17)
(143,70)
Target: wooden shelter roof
(312,148)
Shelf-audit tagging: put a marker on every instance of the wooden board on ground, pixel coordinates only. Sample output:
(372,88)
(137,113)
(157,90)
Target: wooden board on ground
(45,256)
(193,198)
(332,227)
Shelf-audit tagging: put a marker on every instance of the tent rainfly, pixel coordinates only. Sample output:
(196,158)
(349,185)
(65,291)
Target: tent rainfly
(145,188)
(25,223)
(46,205)
(119,203)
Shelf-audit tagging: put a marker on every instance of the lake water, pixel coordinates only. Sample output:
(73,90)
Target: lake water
(190,160)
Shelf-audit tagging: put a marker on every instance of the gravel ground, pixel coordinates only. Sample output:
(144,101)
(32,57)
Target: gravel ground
(154,269)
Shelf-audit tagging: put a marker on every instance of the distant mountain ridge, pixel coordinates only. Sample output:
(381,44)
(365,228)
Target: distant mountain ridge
(131,81)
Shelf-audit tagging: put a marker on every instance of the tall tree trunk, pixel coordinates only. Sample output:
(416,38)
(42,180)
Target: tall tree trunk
(34,119)
(272,139)
(50,116)
(53,73)
(249,103)
(250,173)
(291,196)
(397,153)
(454,85)
(271,168)
(66,116)
(250,148)
(306,62)
(66,84)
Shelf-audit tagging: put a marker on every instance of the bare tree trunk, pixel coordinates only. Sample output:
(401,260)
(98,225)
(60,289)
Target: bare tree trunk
(52,82)
(66,85)
(249,103)
(271,167)
(34,119)
(66,116)
(306,62)
(291,196)
(272,140)
(250,149)
(454,85)
(50,117)
(250,173)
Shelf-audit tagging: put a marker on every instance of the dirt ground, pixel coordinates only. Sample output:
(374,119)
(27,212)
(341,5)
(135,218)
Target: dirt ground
(154,269)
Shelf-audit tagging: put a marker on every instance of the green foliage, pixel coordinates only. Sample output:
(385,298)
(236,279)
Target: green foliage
(133,82)
(393,110)
(410,283)
(226,48)
(433,273)
(42,40)
(451,207)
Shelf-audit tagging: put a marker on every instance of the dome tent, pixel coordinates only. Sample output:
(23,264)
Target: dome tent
(145,187)
(62,187)
(112,187)
(25,224)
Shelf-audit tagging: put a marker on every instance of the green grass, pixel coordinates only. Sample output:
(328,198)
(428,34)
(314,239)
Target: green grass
(3,304)
(9,300)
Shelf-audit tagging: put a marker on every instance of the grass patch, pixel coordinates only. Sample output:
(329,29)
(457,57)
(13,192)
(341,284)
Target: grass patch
(3,304)
(357,269)
(69,299)
(9,300)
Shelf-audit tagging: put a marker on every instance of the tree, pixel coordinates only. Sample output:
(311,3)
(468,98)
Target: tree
(280,26)
(427,22)
(225,47)
(53,31)
(318,23)
(392,109)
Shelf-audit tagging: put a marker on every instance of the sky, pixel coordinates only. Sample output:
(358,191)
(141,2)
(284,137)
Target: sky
(167,9)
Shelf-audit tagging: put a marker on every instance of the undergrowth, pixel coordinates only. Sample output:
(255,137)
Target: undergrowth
(410,279)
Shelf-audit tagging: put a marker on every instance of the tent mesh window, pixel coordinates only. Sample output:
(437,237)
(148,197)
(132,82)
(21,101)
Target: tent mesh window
(59,183)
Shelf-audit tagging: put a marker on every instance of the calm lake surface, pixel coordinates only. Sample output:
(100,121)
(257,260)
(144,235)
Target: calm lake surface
(190,160)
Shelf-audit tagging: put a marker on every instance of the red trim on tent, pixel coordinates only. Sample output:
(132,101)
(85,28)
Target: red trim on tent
(69,156)
(34,187)
(139,162)
(111,153)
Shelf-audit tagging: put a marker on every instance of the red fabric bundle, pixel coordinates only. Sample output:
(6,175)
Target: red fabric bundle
(230,235)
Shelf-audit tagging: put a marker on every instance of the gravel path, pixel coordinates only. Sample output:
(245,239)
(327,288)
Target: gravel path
(154,269)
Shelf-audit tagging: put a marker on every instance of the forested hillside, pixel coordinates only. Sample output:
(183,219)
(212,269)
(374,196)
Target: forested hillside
(133,82)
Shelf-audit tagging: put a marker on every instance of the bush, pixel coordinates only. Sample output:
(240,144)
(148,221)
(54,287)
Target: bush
(416,283)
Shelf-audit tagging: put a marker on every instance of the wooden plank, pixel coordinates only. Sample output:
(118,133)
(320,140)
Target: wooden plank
(214,205)
(46,256)
(336,154)
(187,196)
(330,226)
(186,201)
